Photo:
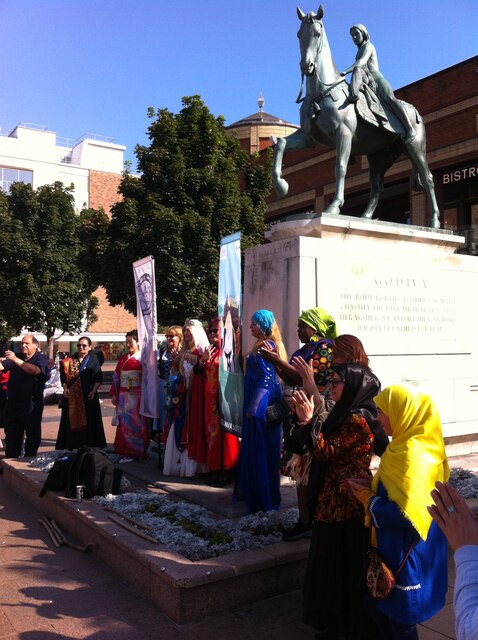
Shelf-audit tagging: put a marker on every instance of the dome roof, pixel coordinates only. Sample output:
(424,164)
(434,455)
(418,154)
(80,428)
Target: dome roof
(261,117)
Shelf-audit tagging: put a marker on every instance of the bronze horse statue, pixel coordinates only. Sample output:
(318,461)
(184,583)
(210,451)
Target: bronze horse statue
(330,118)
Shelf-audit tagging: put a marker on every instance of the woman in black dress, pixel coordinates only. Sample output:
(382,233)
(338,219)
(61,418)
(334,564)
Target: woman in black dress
(81,422)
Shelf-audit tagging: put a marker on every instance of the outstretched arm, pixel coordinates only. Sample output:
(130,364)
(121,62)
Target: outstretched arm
(27,367)
(460,526)
(285,371)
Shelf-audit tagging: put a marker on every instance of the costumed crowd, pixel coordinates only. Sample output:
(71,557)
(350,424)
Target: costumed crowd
(377,564)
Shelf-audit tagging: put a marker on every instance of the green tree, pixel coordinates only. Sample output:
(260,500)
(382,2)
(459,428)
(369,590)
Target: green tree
(52,292)
(196,185)
(17,284)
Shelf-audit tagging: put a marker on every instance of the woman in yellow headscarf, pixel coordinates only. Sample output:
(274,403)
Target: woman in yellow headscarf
(396,507)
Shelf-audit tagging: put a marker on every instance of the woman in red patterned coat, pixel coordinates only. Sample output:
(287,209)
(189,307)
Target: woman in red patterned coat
(343,447)
(222,447)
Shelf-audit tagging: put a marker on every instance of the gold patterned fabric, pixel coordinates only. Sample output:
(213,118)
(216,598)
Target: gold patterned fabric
(130,379)
(76,402)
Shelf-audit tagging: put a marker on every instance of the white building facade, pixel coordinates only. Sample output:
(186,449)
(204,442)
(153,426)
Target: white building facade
(93,165)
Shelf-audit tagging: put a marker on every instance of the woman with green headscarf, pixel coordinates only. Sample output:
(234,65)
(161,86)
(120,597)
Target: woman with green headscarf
(316,329)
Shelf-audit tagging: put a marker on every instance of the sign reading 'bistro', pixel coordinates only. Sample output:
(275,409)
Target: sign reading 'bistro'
(460,174)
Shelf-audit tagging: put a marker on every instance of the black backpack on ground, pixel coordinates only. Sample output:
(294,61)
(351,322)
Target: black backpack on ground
(95,472)
(87,467)
(57,477)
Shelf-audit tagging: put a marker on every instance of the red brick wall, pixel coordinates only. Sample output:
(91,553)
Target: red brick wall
(103,189)
(104,193)
(111,319)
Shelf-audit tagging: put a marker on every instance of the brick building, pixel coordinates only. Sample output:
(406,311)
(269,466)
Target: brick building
(93,165)
(448,102)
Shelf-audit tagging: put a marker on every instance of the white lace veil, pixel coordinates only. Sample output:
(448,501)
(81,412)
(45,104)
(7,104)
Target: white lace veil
(199,335)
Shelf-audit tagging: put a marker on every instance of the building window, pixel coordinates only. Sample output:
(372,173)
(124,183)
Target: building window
(9,175)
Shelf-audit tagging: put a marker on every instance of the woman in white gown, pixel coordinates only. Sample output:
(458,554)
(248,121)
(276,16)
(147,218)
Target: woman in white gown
(186,447)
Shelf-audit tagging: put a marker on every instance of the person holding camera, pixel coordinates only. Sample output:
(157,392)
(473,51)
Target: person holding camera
(24,406)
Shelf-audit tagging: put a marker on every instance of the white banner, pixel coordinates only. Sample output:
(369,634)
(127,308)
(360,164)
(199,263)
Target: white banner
(145,285)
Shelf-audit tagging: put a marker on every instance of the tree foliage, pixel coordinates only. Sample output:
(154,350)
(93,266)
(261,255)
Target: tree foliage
(17,284)
(46,289)
(196,185)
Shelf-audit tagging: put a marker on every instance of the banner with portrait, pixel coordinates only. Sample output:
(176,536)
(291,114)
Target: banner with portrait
(145,286)
(231,382)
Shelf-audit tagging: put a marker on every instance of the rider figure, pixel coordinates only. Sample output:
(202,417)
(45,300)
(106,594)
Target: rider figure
(365,71)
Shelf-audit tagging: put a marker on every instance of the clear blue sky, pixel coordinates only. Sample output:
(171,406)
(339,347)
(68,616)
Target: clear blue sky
(95,66)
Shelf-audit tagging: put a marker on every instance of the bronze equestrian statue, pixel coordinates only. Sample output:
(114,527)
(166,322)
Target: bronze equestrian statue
(363,119)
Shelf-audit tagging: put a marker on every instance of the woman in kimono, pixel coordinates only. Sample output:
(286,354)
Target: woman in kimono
(81,422)
(132,435)
(258,481)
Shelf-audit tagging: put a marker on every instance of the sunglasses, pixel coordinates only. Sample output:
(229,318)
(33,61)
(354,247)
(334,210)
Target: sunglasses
(335,383)
(80,345)
(171,337)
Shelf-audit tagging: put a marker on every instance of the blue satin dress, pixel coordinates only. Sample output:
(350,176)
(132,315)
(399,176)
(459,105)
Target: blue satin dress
(258,480)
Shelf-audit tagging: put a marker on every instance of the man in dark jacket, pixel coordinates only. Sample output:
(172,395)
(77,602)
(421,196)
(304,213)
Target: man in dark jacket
(24,406)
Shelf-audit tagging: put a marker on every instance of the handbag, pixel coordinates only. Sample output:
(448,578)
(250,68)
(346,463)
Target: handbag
(379,577)
(277,412)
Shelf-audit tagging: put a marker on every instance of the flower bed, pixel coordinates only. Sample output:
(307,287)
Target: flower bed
(190,530)
(187,528)
(465,482)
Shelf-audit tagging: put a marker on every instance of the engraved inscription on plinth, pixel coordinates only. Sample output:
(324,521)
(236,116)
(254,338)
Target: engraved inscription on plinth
(400,312)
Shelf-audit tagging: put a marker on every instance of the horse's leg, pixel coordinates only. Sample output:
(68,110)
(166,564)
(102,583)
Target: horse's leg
(426,180)
(376,174)
(379,163)
(416,151)
(297,140)
(343,148)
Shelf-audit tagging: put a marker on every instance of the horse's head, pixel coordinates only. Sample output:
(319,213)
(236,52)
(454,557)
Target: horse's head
(310,39)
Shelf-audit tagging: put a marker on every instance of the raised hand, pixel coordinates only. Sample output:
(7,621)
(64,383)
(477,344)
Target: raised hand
(453,516)
(303,405)
(306,372)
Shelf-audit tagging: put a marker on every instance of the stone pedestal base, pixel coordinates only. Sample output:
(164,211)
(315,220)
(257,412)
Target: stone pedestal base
(401,289)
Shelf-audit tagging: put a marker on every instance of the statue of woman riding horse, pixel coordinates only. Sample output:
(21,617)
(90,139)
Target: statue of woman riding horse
(369,120)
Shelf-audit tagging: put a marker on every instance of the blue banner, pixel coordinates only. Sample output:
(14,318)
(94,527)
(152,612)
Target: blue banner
(231,381)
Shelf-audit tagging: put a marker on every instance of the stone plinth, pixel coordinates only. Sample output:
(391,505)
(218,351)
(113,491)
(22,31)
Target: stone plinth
(401,289)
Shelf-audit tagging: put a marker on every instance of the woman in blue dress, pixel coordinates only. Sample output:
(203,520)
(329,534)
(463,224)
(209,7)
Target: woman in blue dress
(258,481)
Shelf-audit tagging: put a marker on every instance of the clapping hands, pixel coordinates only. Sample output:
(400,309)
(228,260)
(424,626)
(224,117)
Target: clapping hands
(306,372)
(303,406)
